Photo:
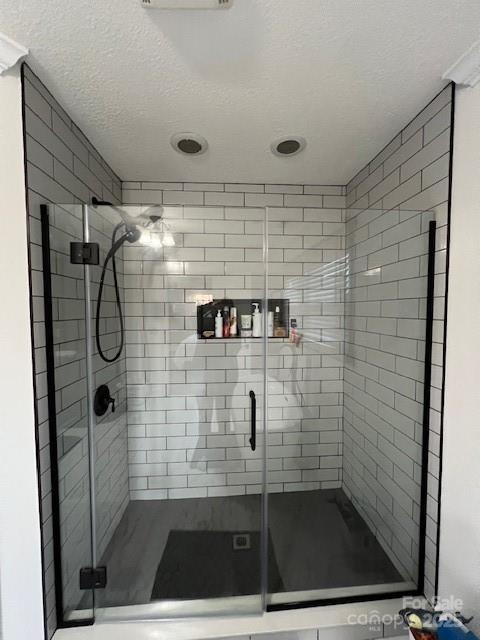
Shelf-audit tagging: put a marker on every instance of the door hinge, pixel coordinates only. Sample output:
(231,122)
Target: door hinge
(93,578)
(84,253)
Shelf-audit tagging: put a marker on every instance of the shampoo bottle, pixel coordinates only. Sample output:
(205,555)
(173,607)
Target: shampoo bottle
(226,322)
(233,321)
(218,325)
(278,328)
(270,324)
(277,319)
(257,321)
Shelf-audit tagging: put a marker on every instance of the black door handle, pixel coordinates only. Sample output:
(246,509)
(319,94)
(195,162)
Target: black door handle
(253,418)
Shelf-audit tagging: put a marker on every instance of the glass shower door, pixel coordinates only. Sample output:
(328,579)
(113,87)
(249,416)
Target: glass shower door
(65,445)
(157,375)
(179,465)
(349,399)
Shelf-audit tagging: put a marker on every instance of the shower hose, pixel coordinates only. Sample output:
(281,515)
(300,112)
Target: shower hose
(116,244)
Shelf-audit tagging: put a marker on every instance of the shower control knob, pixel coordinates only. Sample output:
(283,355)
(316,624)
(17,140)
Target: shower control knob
(103,400)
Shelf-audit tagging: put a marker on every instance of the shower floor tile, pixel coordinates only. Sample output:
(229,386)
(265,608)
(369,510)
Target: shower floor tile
(320,541)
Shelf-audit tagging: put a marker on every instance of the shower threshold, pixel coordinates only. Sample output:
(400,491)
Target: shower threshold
(366,620)
(237,605)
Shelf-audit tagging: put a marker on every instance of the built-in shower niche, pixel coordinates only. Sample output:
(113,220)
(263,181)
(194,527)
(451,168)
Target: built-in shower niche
(279,319)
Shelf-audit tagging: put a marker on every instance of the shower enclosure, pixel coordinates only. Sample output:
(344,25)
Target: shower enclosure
(195,474)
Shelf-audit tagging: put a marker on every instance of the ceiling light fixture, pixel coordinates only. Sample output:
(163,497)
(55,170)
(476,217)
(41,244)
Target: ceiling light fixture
(189,144)
(289,146)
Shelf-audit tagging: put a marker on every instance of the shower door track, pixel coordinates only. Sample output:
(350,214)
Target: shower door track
(213,607)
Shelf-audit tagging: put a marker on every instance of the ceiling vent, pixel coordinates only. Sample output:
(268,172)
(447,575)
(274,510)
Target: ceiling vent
(290,146)
(187,4)
(189,144)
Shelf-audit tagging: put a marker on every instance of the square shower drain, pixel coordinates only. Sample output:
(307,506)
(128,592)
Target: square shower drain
(241,541)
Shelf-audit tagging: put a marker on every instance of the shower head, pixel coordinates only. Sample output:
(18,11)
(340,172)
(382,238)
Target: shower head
(138,227)
(133,224)
(145,219)
(150,216)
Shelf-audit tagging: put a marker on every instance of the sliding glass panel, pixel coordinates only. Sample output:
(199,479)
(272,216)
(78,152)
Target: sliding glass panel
(179,520)
(65,364)
(346,401)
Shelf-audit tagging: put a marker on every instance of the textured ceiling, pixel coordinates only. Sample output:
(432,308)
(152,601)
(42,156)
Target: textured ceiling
(344,74)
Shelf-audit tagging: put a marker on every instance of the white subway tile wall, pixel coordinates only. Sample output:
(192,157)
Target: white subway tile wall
(389,204)
(63,167)
(188,398)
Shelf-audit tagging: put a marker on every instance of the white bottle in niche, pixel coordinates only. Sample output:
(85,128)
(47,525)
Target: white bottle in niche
(257,321)
(270,324)
(218,325)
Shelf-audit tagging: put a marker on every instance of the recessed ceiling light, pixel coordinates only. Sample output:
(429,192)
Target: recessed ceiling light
(289,146)
(189,144)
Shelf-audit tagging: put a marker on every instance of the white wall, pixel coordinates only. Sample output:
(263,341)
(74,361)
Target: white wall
(460,517)
(20,565)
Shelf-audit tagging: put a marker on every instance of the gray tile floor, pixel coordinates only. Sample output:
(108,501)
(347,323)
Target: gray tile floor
(319,538)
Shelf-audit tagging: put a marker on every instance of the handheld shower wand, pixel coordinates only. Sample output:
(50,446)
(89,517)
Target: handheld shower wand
(132,233)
